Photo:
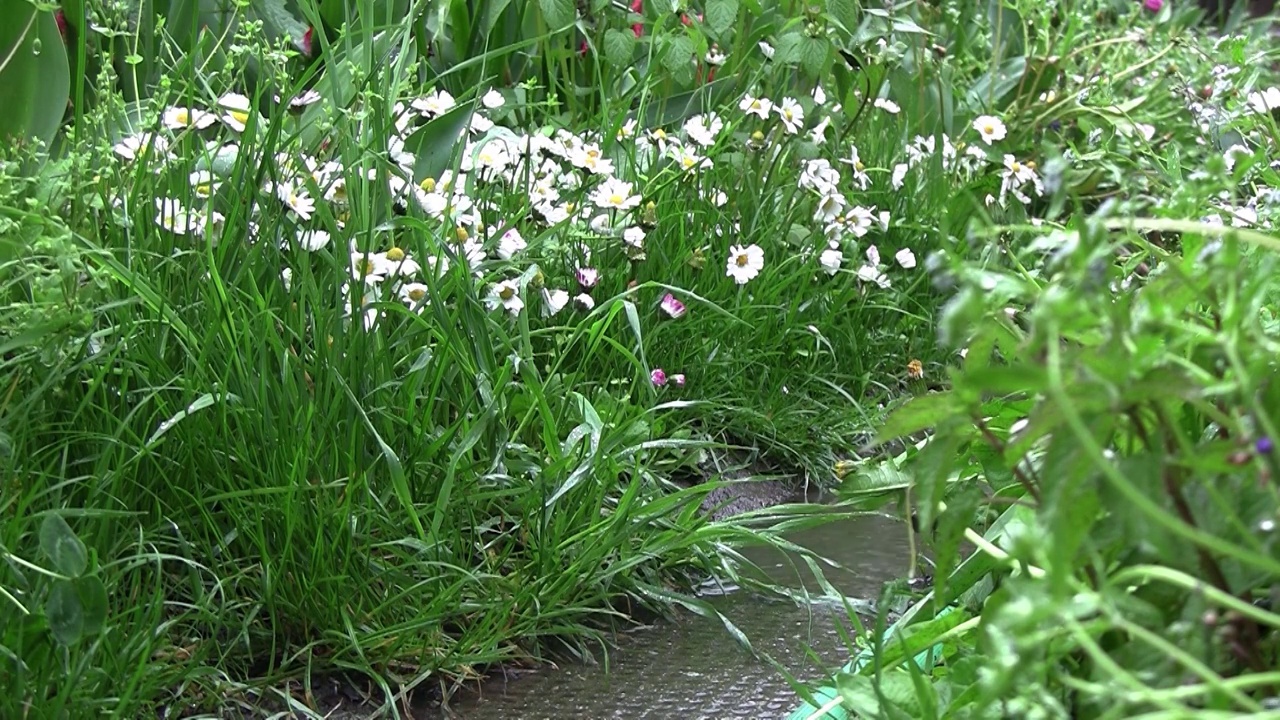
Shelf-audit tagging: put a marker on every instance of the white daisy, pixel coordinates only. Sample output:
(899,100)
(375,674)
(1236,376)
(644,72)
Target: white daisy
(615,194)
(505,294)
(990,127)
(744,263)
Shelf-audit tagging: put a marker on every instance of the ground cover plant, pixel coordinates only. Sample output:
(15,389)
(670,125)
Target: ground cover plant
(1104,445)
(370,337)
(365,343)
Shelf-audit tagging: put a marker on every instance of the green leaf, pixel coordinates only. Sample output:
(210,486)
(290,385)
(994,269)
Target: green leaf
(93,603)
(813,55)
(721,15)
(788,50)
(619,47)
(1006,31)
(919,413)
(434,143)
(845,13)
(559,14)
(678,59)
(60,544)
(35,79)
(277,21)
(64,613)
(868,696)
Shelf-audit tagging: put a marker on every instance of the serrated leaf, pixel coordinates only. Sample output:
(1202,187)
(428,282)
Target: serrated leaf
(63,611)
(60,544)
(813,55)
(619,47)
(559,14)
(845,13)
(788,50)
(678,59)
(721,15)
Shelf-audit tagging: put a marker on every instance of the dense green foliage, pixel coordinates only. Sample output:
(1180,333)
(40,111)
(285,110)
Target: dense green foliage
(374,336)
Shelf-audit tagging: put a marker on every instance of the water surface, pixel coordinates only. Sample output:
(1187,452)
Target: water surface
(691,668)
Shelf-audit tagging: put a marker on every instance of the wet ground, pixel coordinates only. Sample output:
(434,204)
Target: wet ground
(692,668)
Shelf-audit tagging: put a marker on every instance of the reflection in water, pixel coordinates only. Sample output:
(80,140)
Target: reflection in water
(691,668)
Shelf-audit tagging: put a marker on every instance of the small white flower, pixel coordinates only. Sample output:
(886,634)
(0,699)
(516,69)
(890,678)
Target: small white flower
(615,194)
(887,105)
(493,99)
(990,127)
(831,259)
(767,50)
(554,300)
(414,295)
(142,146)
(505,294)
(584,301)
(172,216)
(511,243)
(181,118)
(899,175)
(1264,101)
(715,57)
(792,115)
(437,103)
(296,199)
(760,107)
(745,263)
(905,258)
(313,240)
(235,111)
(634,237)
(819,95)
(703,129)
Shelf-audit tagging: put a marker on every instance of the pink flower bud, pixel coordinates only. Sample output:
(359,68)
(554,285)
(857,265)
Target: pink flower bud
(671,306)
(658,377)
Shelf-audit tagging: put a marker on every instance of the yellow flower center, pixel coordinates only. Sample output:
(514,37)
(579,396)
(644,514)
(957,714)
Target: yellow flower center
(757,136)
(1031,164)
(395,254)
(428,184)
(239,116)
(988,129)
(204,189)
(687,161)
(506,292)
(183,117)
(1015,166)
(615,199)
(417,294)
(462,234)
(859,166)
(570,207)
(741,260)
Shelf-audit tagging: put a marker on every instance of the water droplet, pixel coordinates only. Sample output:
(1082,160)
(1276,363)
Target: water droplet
(35,46)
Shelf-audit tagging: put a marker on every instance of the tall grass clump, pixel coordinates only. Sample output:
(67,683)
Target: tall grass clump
(324,357)
(1095,484)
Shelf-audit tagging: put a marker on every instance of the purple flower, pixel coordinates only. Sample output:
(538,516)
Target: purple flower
(671,306)
(588,277)
(658,377)
(1264,445)
(1153,5)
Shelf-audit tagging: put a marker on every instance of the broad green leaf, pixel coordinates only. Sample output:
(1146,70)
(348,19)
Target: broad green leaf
(918,414)
(678,59)
(35,79)
(721,15)
(619,47)
(1006,31)
(845,13)
(813,55)
(559,14)
(435,143)
(60,544)
(65,615)
(93,603)
(864,694)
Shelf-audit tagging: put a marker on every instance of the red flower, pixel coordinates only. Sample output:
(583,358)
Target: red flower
(308,41)
(61,19)
(637,6)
